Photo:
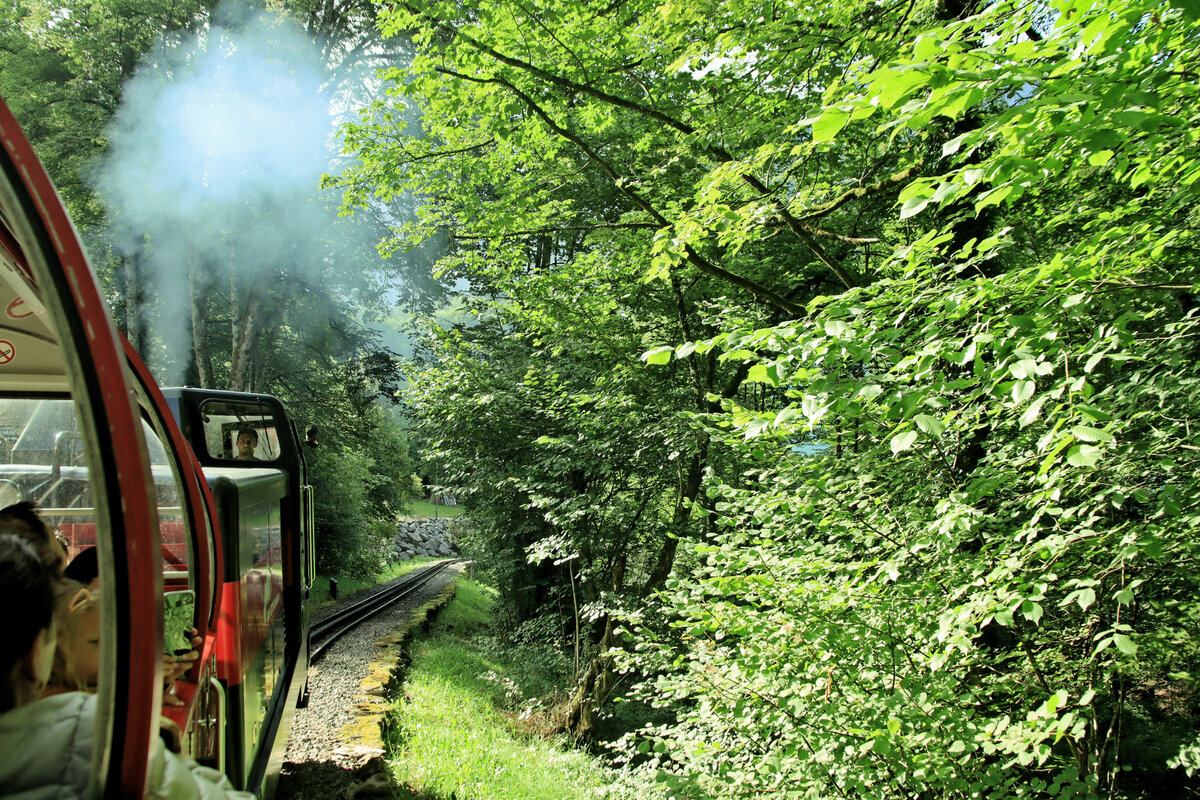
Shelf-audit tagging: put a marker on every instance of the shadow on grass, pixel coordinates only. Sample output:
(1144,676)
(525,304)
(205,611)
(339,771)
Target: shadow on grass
(329,780)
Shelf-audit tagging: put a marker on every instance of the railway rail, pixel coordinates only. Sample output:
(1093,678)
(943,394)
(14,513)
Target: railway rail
(328,630)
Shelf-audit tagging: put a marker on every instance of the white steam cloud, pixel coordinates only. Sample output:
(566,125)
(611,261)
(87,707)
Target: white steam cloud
(216,154)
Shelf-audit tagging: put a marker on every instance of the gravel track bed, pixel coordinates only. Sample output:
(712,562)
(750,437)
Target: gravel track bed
(335,679)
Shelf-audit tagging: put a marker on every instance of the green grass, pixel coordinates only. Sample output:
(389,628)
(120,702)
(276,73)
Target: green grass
(459,732)
(348,586)
(423,508)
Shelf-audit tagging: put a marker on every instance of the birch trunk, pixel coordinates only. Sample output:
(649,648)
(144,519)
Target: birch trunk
(245,334)
(201,353)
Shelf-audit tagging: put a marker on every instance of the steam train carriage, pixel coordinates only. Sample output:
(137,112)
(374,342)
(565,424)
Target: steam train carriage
(153,481)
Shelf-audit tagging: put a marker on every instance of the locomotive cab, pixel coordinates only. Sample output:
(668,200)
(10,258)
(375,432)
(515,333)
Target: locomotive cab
(263,504)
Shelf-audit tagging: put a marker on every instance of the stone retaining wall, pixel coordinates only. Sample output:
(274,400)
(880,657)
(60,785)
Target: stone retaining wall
(421,538)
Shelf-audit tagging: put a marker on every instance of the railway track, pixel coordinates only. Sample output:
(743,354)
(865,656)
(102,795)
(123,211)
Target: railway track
(328,630)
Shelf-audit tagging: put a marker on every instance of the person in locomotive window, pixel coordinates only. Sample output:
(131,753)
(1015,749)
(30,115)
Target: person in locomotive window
(47,741)
(247,443)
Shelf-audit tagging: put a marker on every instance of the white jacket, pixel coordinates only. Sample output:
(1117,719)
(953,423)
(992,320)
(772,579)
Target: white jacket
(46,754)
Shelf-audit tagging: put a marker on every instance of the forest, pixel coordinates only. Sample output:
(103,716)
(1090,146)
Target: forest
(187,142)
(820,376)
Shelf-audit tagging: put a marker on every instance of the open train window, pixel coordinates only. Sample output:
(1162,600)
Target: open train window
(44,462)
(239,431)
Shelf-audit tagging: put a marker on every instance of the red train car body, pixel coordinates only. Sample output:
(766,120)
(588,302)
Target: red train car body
(152,479)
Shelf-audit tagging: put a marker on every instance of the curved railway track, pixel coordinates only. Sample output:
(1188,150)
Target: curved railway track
(327,631)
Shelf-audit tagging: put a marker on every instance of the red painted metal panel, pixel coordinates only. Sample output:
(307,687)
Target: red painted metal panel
(196,500)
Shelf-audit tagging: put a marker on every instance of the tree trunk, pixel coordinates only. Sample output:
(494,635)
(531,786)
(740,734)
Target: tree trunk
(591,688)
(245,335)
(201,353)
(133,291)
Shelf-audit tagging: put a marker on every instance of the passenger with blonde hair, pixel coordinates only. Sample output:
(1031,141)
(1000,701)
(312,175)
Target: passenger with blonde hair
(47,743)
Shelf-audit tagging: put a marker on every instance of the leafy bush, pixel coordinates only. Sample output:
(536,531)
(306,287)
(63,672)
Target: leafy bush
(982,578)
(359,487)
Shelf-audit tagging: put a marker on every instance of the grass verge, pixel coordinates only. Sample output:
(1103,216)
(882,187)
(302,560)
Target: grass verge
(423,508)
(463,727)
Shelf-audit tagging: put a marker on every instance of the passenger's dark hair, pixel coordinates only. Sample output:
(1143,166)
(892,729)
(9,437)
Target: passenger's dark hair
(27,592)
(84,567)
(22,520)
(24,512)
(248,432)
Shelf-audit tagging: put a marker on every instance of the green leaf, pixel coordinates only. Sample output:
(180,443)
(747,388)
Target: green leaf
(973,176)
(913,206)
(951,147)
(1087,434)
(931,425)
(659,355)
(903,441)
(1125,644)
(787,416)
(761,373)
(927,46)
(830,123)
(994,197)
(1084,455)
(1031,414)
(1022,391)
(837,328)
(893,85)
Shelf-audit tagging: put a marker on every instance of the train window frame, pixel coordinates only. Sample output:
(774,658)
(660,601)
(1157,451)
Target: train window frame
(153,425)
(223,419)
(199,532)
(79,356)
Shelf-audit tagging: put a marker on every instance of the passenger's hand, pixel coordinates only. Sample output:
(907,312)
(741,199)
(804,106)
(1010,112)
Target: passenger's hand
(169,698)
(174,666)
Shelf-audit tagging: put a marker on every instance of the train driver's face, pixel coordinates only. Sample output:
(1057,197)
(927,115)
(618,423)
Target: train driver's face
(246,445)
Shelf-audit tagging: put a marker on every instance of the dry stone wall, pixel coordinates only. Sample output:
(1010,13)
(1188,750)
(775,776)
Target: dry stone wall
(421,538)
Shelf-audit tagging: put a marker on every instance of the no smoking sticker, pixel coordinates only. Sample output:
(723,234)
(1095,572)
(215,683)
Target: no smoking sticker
(7,351)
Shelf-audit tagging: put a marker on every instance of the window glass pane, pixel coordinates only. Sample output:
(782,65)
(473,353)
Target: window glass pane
(43,461)
(176,543)
(239,431)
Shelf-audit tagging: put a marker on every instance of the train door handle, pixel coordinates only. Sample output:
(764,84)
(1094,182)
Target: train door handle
(219,689)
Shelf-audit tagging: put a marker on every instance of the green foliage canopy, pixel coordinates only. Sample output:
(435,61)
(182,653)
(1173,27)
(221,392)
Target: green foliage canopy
(922,279)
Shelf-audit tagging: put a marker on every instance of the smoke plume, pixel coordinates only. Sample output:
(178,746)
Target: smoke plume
(216,154)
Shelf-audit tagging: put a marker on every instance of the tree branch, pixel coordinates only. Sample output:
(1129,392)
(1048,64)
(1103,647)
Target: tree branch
(863,191)
(693,256)
(716,151)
